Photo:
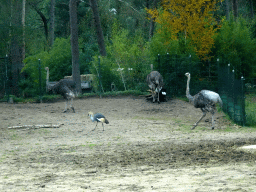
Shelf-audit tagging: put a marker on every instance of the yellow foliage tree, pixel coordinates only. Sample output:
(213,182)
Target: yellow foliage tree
(193,18)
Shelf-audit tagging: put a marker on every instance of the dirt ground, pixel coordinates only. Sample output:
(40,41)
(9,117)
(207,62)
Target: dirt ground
(145,147)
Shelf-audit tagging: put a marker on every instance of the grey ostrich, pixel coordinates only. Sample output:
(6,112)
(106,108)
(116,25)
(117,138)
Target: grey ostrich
(205,100)
(98,117)
(64,87)
(155,83)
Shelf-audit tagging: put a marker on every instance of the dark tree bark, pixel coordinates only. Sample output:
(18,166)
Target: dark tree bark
(251,9)
(235,8)
(16,34)
(52,24)
(42,17)
(227,2)
(98,28)
(74,44)
(152,22)
(23,28)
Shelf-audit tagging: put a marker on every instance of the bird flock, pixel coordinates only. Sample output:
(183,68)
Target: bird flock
(205,100)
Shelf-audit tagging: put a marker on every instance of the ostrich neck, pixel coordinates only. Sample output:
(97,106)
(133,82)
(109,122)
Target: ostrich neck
(190,97)
(47,78)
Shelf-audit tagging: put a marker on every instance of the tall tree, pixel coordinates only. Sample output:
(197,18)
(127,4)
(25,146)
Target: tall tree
(251,9)
(52,24)
(227,2)
(35,6)
(98,28)
(74,44)
(16,44)
(235,8)
(152,20)
(23,28)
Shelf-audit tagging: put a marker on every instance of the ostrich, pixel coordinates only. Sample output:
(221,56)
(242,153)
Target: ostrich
(205,100)
(64,87)
(155,83)
(98,117)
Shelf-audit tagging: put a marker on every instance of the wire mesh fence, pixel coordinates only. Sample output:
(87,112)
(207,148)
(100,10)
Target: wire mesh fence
(4,80)
(205,75)
(232,92)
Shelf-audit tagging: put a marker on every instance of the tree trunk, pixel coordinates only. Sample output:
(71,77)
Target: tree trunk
(16,44)
(42,17)
(98,28)
(23,28)
(251,9)
(227,8)
(52,26)
(235,8)
(152,21)
(74,44)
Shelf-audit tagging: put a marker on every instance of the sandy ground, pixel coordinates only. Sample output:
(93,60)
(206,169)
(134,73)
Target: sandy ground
(145,147)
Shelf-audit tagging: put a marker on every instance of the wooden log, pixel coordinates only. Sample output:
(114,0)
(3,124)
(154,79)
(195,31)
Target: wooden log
(34,126)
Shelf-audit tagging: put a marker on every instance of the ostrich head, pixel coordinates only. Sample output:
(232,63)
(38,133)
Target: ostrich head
(187,74)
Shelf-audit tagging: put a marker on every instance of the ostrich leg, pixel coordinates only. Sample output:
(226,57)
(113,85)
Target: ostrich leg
(71,105)
(213,121)
(204,113)
(66,106)
(158,97)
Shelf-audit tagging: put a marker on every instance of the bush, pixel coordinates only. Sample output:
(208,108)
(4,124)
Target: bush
(234,43)
(58,59)
(126,64)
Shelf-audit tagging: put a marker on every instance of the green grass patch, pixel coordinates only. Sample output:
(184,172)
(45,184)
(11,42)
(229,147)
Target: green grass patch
(250,110)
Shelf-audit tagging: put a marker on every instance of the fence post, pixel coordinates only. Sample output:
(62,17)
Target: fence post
(40,80)
(243,101)
(158,61)
(99,76)
(6,79)
(233,94)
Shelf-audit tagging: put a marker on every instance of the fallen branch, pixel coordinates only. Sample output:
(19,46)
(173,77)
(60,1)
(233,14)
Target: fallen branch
(34,126)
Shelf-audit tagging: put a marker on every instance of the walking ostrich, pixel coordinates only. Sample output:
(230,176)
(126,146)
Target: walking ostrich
(205,100)
(64,87)
(98,117)
(155,83)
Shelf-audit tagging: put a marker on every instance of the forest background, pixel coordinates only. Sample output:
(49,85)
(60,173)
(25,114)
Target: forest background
(125,37)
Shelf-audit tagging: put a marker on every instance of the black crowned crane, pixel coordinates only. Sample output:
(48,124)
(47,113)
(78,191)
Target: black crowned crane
(205,100)
(98,117)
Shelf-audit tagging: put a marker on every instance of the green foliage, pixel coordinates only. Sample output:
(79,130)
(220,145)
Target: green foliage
(127,62)
(58,59)
(250,106)
(159,45)
(234,43)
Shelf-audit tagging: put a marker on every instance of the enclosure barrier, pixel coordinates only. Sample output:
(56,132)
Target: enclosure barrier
(4,80)
(232,93)
(205,75)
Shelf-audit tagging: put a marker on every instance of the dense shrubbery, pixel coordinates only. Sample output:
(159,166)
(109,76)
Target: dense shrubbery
(127,62)
(235,45)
